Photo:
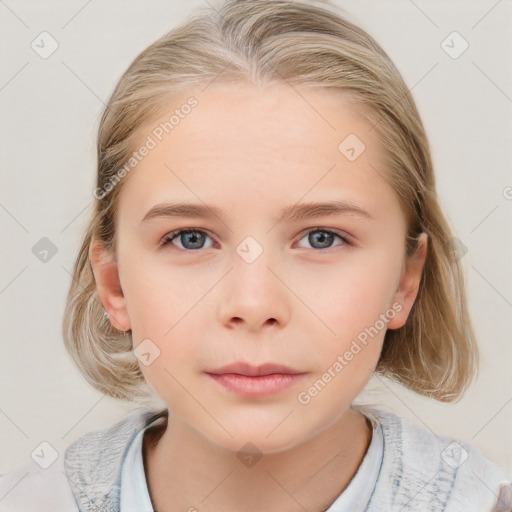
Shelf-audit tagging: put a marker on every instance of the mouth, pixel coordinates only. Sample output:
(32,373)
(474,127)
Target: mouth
(248,380)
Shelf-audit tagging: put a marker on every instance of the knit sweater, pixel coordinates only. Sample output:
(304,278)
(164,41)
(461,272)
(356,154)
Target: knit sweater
(419,472)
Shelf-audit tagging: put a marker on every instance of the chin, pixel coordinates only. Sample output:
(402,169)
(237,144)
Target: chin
(267,436)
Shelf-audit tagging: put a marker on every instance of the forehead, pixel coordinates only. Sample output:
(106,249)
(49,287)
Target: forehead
(278,120)
(270,144)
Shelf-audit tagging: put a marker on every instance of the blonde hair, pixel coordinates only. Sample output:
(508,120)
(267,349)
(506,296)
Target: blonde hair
(260,41)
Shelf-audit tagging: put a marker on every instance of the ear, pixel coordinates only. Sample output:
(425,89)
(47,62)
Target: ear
(108,285)
(410,279)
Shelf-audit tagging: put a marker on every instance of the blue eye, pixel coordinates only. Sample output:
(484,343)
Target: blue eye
(194,239)
(190,238)
(323,238)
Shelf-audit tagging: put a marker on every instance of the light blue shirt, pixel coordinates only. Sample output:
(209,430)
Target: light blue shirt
(134,489)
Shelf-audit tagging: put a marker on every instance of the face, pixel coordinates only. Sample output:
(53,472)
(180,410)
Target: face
(309,293)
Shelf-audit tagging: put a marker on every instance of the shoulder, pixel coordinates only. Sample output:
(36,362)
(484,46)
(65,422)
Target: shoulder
(85,476)
(31,488)
(104,448)
(93,463)
(422,469)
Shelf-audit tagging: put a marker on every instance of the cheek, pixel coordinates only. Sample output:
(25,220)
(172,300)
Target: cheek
(159,296)
(356,306)
(356,310)
(167,306)
(352,296)
(167,325)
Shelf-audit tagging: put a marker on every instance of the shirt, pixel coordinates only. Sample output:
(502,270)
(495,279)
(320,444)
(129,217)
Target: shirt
(134,490)
(418,470)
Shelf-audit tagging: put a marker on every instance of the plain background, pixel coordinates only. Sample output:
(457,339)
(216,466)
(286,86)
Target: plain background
(49,115)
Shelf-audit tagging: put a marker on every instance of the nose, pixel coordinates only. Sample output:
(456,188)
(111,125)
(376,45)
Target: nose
(253,295)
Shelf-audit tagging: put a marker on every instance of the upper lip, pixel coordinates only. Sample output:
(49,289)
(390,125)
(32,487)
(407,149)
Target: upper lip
(250,370)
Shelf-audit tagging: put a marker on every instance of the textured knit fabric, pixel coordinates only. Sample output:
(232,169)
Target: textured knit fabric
(419,472)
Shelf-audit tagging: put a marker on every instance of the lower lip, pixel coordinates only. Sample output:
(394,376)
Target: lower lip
(256,386)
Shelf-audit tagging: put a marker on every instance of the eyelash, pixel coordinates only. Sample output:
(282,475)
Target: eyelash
(169,237)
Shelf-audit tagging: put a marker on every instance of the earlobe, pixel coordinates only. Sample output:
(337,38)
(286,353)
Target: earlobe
(410,282)
(108,285)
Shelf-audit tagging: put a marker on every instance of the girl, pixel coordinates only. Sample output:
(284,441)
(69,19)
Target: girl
(266,235)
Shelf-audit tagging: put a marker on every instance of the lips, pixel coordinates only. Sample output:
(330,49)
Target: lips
(249,370)
(248,380)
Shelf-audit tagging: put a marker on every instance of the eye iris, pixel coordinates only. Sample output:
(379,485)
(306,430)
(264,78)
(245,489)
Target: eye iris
(321,236)
(323,239)
(194,236)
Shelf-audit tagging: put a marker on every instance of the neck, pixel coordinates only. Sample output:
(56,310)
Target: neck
(185,471)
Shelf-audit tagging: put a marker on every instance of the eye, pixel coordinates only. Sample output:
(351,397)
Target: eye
(190,239)
(323,238)
(194,239)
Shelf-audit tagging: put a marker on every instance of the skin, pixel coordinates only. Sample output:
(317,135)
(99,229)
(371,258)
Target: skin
(251,152)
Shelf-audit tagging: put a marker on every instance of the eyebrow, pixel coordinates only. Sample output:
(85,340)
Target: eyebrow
(299,211)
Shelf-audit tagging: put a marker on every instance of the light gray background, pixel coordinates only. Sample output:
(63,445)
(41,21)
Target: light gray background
(49,114)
